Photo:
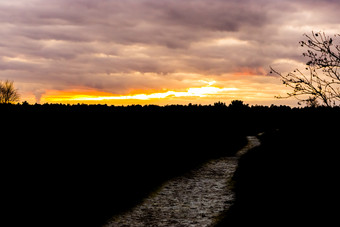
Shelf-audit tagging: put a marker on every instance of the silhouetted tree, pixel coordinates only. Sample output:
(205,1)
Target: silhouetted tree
(8,93)
(238,104)
(219,104)
(321,81)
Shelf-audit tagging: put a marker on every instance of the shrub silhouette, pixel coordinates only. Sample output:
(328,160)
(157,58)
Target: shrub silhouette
(8,94)
(290,178)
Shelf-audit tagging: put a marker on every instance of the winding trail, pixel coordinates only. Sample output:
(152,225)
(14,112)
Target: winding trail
(194,199)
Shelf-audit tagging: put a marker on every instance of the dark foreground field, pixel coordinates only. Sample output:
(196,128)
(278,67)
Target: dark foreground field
(79,165)
(292,179)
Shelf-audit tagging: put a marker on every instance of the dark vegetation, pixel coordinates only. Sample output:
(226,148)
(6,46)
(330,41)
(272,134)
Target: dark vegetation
(292,178)
(77,165)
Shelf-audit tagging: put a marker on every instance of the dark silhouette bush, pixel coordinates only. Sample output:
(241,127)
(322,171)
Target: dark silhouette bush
(290,179)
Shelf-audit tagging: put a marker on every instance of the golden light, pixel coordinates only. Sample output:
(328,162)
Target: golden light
(190,92)
(252,90)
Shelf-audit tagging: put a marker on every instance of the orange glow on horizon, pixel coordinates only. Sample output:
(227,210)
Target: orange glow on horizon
(252,91)
(191,92)
(91,96)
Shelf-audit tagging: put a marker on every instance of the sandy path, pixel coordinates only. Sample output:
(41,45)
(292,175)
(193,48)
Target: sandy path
(194,199)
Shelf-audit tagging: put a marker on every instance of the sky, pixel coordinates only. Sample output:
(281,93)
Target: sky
(124,52)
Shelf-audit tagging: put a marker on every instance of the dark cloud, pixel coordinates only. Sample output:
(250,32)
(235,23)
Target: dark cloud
(104,44)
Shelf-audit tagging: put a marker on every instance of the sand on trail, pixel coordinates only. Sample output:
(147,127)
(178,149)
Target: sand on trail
(194,199)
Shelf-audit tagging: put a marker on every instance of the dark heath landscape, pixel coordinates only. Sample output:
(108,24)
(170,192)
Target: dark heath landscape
(169,113)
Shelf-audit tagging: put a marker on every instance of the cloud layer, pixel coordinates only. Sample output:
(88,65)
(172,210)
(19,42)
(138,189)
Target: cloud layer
(119,46)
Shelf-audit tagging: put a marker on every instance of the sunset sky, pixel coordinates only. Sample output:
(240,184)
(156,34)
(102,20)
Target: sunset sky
(156,51)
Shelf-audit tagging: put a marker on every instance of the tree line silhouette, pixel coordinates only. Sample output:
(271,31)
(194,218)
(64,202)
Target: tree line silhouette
(69,165)
(237,105)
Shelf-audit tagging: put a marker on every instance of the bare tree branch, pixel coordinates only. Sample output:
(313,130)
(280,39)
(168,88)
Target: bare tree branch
(322,82)
(8,93)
